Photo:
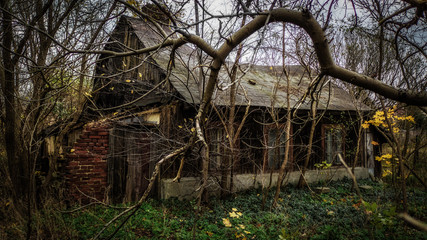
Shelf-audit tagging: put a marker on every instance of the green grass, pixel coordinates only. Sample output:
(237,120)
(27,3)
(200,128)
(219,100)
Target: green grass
(299,215)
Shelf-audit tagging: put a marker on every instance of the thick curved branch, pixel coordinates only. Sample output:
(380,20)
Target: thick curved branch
(306,21)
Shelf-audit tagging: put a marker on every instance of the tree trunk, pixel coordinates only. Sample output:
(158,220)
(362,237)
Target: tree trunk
(18,169)
(302,182)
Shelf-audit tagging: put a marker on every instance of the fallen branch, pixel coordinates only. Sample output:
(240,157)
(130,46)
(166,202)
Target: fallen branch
(356,186)
(413,222)
(132,210)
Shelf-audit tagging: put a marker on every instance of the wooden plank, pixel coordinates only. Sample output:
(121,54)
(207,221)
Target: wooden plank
(138,158)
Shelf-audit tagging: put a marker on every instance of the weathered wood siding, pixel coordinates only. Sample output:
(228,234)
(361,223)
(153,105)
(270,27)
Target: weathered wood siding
(123,80)
(129,163)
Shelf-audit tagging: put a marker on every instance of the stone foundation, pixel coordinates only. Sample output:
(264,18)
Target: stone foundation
(186,188)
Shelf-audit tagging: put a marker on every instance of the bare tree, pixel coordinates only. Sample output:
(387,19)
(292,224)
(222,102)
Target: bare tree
(43,84)
(39,51)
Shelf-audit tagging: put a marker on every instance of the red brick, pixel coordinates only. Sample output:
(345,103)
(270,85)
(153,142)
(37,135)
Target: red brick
(103,133)
(99,148)
(81,153)
(94,136)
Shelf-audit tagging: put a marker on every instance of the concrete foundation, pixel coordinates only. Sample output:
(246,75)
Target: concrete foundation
(188,187)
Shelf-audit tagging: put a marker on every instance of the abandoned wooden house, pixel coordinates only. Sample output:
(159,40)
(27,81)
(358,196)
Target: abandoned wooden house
(143,111)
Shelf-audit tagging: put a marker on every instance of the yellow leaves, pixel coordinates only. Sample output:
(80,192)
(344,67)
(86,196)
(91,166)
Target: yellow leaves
(131,92)
(331,213)
(210,234)
(72,150)
(128,81)
(179,126)
(386,172)
(235,214)
(114,114)
(111,88)
(375,143)
(226,222)
(140,75)
(240,235)
(383,157)
(393,118)
(241,226)
(410,119)
(88,94)
(193,129)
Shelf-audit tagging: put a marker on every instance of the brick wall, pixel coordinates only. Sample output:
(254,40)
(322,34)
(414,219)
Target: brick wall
(86,170)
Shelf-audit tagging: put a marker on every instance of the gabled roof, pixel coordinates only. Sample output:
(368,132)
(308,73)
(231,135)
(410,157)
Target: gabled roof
(257,84)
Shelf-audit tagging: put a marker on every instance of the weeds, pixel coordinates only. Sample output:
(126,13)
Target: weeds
(299,215)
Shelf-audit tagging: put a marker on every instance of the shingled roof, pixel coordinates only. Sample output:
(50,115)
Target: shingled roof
(257,84)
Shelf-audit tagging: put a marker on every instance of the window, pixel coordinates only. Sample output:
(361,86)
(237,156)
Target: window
(276,141)
(217,144)
(333,142)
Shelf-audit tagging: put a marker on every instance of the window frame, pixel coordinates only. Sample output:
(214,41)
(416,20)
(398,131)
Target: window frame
(221,143)
(267,149)
(325,129)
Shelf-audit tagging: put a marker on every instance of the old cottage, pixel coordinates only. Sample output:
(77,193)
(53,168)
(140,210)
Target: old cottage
(143,107)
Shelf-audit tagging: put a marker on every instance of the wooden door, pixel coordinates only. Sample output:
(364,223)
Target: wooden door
(129,164)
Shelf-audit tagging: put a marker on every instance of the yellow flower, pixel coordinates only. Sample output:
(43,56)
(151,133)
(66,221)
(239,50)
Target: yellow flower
(226,222)
(410,118)
(233,215)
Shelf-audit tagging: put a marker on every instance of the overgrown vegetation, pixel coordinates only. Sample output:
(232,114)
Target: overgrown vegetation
(300,214)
